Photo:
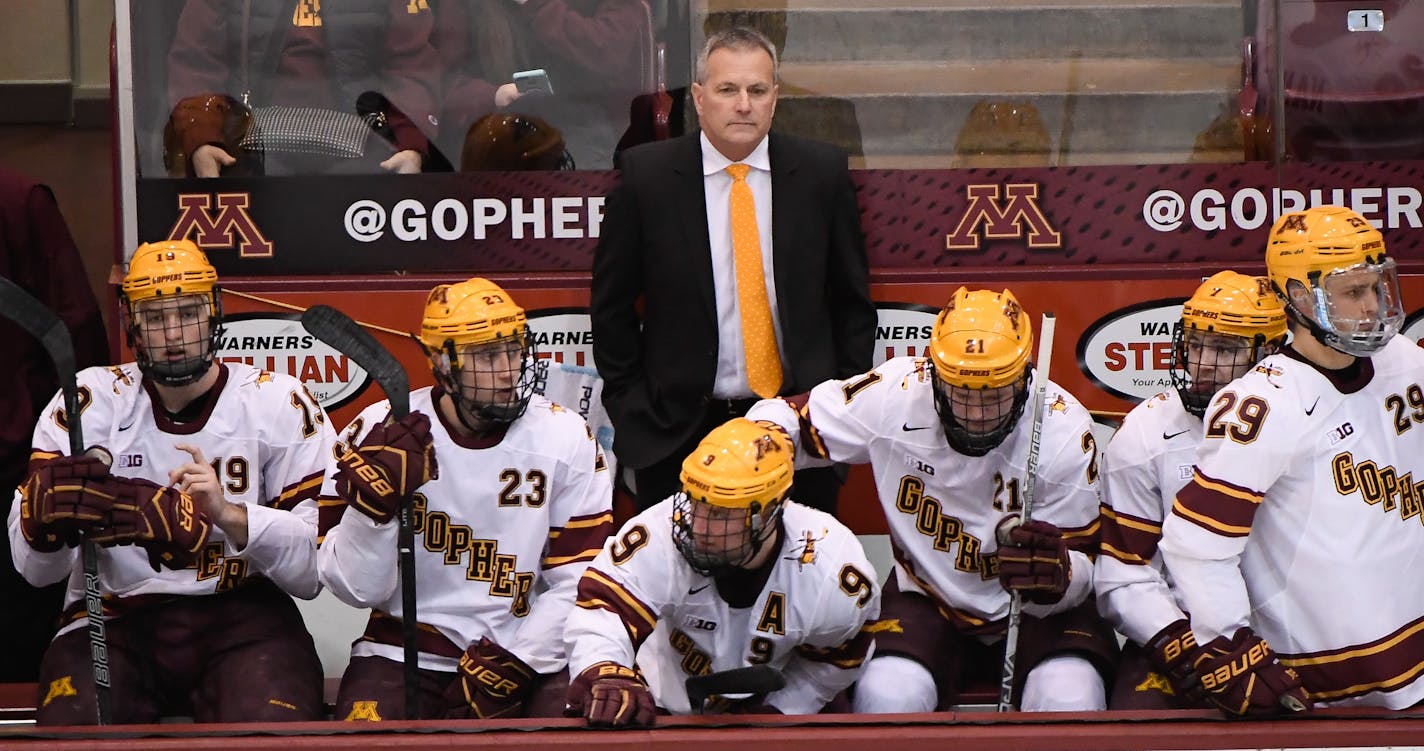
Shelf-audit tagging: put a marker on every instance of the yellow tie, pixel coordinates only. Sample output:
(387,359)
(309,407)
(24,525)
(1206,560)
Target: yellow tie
(758,336)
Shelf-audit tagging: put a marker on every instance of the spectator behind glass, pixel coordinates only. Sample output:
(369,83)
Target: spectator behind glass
(233,52)
(588,48)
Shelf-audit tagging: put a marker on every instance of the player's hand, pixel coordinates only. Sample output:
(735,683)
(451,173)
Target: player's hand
(1033,560)
(405,162)
(165,522)
(493,682)
(392,461)
(63,497)
(1173,653)
(610,695)
(1243,677)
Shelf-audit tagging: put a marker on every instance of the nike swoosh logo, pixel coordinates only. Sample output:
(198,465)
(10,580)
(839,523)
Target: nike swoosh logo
(695,590)
(906,427)
(1311,411)
(1169,436)
(122,428)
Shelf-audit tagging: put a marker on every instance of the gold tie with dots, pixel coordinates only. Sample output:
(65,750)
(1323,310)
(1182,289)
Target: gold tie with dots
(758,336)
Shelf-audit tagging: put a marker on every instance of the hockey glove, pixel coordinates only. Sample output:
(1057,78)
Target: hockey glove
(392,461)
(1242,677)
(162,520)
(63,497)
(1173,652)
(1033,560)
(610,695)
(493,682)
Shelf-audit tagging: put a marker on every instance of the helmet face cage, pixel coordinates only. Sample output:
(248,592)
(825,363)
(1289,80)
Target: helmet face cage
(490,382)
(1204,361)
(1357,308)
(714,539)
(174,339)
(977,420)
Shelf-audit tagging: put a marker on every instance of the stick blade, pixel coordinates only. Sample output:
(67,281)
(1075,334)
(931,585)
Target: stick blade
(31,315)
(755,679)
(345,335)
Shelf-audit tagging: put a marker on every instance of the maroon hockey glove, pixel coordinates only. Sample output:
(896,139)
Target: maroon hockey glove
(1242,677)
(1033,560)
(63,497)
(391,462)
(610,695)
(1173,652)
(493,682)
(162,520)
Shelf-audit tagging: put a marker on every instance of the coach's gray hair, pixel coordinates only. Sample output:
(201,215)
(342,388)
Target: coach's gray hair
(737,38)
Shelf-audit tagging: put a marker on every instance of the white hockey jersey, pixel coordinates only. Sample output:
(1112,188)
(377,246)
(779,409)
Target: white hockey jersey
(1305,519)
(808,620)
(502,536)
(268,438)
(942,506)
(1148,460)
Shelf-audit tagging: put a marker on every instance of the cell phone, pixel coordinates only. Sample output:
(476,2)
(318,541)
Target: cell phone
(533,80)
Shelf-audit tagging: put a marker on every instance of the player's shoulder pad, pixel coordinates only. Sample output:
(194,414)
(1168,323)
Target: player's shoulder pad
(817,539)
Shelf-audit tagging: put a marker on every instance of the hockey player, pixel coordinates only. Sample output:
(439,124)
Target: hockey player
(207,517)
(1228,325)
(727,573)
(947,438)
(1292,543)
(520,504)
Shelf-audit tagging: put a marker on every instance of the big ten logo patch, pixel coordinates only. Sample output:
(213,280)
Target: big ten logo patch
(220,227)
(563,335)
(212,563)
(483,564)
(903,330)
(1017,215)
(1129,352)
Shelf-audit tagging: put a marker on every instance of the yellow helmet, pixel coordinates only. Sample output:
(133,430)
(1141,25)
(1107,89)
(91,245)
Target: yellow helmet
(1228,325)
(160,274)
(981,341)
(168,268)
(471,312)
(740,474)
(477,315)
(1318,249)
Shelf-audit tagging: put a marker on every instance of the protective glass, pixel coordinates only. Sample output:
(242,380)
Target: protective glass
(1358,307)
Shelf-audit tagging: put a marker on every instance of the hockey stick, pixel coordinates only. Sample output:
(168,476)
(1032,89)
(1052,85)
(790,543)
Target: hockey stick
(346,336)
(1011,636)
(755,679)
(30,314)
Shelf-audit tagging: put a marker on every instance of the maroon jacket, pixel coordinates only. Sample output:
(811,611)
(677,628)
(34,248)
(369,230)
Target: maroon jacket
(361,45)
(40,256)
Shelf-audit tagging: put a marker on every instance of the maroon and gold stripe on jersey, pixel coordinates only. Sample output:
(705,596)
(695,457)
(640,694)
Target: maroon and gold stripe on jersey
(1385,664)
(963,620)
(306,488)
(597,590)
(579,540)
(1217,506)
(847,656)
(1085,539)
(1127,538)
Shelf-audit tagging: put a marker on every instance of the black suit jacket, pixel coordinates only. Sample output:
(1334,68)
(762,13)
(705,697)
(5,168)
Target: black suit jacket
(653,305)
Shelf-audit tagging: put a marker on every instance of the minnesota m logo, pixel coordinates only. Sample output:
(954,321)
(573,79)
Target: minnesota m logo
(217,231)
(1003,221)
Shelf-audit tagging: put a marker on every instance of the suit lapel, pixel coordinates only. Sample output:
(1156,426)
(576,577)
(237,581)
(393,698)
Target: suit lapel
(692,207)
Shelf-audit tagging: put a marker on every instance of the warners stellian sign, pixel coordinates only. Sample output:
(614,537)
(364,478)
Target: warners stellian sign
(1129,351)
(280,344)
